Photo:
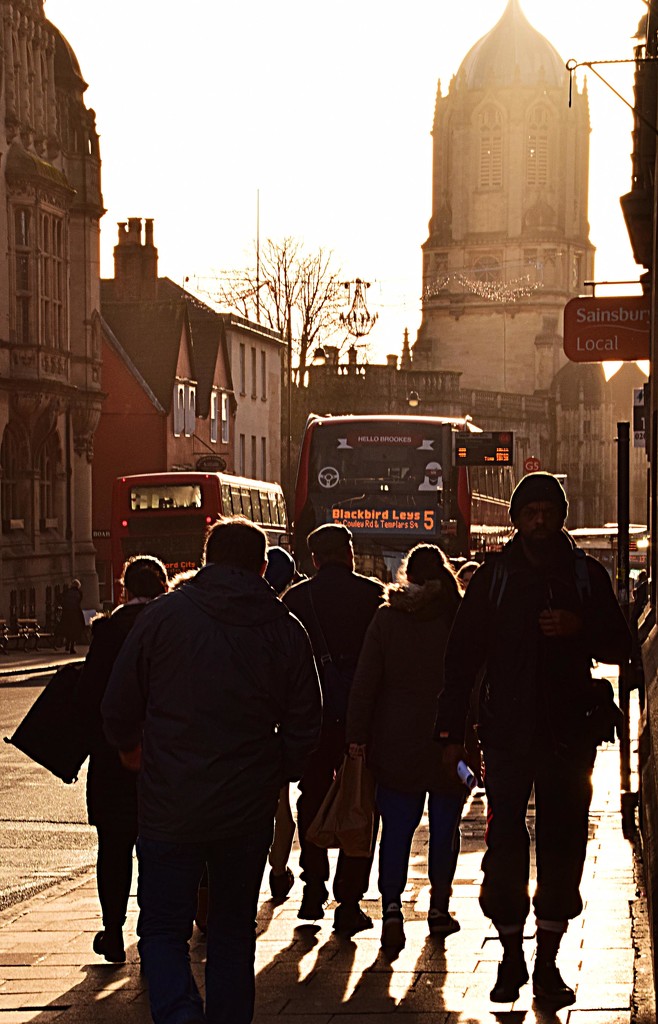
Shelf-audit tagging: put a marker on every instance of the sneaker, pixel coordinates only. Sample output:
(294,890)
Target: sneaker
(350,919)
(280,885)
(393,927)
(313,901)
(442,923)
(512,974)
(110,945)
(549,985)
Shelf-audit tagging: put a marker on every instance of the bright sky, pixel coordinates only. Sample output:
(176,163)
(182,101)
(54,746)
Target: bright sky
(326,109)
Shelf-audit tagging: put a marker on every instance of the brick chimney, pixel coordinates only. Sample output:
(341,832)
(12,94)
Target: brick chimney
(135,262)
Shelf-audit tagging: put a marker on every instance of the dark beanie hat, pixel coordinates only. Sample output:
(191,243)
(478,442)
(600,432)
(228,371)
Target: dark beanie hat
(537,487)
(280,568)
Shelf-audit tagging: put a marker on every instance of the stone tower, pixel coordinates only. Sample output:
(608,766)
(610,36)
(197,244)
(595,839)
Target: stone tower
(508,240)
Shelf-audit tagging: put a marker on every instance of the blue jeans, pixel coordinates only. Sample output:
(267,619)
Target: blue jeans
(169,875)
(401,814)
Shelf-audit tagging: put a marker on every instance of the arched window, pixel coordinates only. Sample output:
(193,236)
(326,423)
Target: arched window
(23,255)
(51,255)
(536,165)
(46,466)
(487,268)
(9,458)
(491,147)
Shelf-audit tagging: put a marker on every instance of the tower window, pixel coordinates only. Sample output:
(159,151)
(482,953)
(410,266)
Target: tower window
(491,148)
(487,268)
(537,147)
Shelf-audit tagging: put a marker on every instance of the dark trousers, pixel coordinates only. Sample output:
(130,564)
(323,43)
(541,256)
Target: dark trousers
(563,792)
(169,876)
(114,871)
(352,873)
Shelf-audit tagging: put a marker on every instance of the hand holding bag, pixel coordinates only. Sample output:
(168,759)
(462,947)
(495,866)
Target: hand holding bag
(346,818)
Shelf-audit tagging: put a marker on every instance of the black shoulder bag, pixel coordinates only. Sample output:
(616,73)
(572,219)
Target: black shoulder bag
(336,682)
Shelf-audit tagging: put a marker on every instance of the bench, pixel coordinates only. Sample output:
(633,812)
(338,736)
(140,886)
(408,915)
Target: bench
(28,634)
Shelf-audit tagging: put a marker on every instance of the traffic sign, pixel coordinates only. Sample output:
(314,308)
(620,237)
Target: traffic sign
(531,465)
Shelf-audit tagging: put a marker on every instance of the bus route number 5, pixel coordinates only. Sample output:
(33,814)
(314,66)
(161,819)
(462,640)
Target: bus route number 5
(428,520)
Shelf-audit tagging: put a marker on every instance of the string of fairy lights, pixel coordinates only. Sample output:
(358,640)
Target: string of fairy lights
(491,291)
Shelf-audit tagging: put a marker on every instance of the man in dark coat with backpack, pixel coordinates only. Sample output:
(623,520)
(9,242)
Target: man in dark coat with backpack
(336,607)
(533,618)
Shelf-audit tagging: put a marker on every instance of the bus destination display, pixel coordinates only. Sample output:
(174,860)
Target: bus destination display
(419,522)
(487,448)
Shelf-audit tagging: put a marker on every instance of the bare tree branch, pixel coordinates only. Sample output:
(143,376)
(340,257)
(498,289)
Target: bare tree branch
(297,293)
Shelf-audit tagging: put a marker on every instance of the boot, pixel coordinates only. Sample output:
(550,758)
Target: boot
(314,898)
(512,970)
(547,982)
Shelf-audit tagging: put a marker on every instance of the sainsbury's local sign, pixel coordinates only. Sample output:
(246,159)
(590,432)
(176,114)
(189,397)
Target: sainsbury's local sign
(610,328)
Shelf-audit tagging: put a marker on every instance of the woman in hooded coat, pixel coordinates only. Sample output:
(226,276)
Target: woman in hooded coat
(111,787)
(391,722)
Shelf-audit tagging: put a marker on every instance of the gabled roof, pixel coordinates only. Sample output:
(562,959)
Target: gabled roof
(208,340)
(150,335)
(111,338)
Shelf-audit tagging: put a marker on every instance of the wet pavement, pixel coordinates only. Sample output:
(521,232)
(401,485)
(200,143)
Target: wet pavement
(306,974)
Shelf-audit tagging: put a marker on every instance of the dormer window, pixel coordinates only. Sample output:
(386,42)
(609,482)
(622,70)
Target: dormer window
(214,415)
(179,409)
(190,409)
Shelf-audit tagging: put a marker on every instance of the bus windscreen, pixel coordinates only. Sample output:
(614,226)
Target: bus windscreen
(380,480)
(165,496)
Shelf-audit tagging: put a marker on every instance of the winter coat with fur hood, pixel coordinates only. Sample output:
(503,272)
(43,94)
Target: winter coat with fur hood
(398,678)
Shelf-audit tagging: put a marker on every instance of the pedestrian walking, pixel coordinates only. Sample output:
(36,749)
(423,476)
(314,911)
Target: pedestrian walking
(279,574)
(465,572)
(112,788)
(533,618)
(336,607)
(390,722)
(73,620)
(215,697)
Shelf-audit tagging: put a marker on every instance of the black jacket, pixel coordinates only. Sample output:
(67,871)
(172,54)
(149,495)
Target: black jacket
(534,688)
(344,604)
(217,680)
(111,788)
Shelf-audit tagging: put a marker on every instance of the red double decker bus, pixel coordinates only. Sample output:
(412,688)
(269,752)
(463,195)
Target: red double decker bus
(167,515)
(394,481)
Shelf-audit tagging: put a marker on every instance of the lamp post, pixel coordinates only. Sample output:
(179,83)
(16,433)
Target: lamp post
(413,399)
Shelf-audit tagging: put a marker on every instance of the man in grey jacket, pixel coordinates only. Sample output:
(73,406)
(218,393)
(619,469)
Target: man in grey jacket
(216,696)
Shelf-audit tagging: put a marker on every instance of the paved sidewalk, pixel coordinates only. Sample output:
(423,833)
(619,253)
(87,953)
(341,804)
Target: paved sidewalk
(21,663)
(309,976)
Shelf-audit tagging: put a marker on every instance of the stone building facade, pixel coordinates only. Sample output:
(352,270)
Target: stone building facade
(50,345)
